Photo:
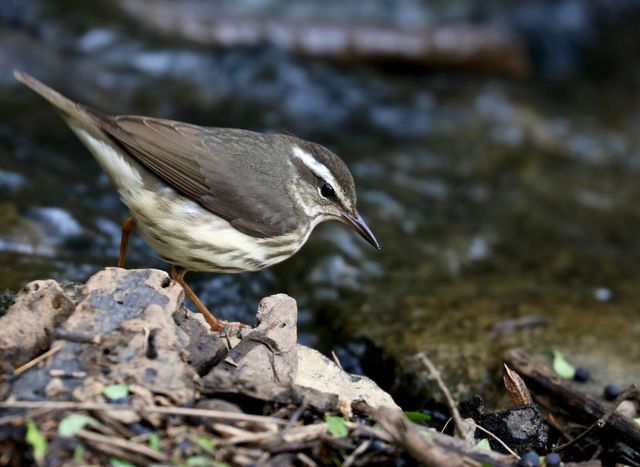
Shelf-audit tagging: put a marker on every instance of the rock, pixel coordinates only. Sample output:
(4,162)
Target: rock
(141,344)
(29,324)
(131,327)
(6,300)
(268,365)
(521,428)
(205,349)
(268,352)
(322,374)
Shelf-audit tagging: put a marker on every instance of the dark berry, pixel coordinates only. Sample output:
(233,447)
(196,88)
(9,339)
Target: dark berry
(553,459)
(611,391)
(376,445)
(582,374)
(529,459)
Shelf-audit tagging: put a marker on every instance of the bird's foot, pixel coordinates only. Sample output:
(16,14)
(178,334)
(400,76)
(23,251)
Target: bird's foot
(231,328)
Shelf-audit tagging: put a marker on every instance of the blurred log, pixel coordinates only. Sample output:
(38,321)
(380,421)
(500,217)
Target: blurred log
(542,380)
(466,47)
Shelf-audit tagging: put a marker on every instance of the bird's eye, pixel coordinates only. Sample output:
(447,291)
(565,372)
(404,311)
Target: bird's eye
(326,191)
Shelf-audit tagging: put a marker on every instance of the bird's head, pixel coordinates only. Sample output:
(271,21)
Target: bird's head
(325,188)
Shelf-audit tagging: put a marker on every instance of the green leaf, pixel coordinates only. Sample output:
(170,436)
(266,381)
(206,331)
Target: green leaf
(561,366)
(78,454)
(37,441)
(417,417)
(72,424)
(154,441)
(484,444)
(199,461)
(336,426)
(637,420)
(205,443)
(117,462)
(115,392)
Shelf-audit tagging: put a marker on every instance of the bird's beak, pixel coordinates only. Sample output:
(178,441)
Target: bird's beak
(361,227)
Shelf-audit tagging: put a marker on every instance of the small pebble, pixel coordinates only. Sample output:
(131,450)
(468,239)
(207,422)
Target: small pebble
(553,459)
(628,409)
(529,459)
(611,391)
(582,374)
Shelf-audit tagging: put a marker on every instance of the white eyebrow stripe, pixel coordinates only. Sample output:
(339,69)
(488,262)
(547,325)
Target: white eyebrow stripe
(319,169)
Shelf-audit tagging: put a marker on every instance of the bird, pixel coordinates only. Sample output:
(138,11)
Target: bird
(213,199)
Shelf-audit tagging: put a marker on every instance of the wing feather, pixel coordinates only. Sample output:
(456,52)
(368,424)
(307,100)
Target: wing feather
(216,168)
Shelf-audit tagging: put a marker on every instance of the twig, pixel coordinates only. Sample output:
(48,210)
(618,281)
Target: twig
(56,373)
(306,460)
(230,361)
(364,430)
(336,359)
(502,443)
(229,430)
(184,411)
(444,428)
(293,420)
(451,403)
(38,359)
(123,454)
(81,337)
(123,444)
(305,432)
(242,438)
(356,452)
(602,421)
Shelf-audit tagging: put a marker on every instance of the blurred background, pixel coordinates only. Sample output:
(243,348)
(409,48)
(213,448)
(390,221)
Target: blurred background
(495,145)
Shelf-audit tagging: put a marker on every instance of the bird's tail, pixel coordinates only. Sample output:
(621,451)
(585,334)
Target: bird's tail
(71,111)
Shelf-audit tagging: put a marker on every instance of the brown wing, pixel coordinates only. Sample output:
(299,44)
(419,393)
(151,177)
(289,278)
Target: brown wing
(217,168)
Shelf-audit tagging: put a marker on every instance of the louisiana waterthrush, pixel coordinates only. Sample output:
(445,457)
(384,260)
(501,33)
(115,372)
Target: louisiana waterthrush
(213,199)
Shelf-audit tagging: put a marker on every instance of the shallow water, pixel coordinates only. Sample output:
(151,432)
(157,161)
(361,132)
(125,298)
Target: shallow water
(493,199)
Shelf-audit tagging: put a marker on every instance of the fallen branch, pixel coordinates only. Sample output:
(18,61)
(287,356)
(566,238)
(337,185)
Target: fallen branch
(602,420)
(543,380)
(463,46)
